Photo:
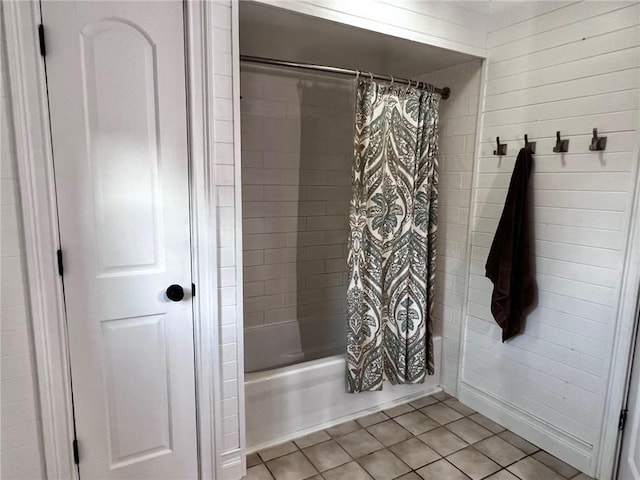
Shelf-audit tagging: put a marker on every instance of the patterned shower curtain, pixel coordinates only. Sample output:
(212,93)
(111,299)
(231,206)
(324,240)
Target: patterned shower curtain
(392,245)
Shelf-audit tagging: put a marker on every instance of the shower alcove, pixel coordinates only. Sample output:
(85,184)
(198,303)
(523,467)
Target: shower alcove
(297,142)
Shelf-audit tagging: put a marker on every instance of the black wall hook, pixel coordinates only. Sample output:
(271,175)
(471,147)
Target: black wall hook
(531,146)
(597,143)
(562,146)
(501,148)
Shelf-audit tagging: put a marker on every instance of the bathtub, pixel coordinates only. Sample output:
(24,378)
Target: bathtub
(288,402)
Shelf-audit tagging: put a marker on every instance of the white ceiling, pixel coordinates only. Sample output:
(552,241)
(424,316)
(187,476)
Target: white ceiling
(267,31)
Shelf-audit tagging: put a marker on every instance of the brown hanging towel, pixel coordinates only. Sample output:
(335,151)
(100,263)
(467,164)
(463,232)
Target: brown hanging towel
(509,265)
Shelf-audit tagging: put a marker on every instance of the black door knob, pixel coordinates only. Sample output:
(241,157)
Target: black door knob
(175,293)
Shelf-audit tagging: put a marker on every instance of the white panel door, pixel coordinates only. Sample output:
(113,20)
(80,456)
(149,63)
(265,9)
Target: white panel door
(116,81)
(629,468)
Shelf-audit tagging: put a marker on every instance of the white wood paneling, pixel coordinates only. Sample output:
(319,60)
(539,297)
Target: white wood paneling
(567,66)
(440,23)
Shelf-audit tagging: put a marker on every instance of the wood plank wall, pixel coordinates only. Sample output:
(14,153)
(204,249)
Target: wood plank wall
(568,66)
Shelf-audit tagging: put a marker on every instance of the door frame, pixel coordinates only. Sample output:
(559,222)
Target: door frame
(27,84)
(610,450)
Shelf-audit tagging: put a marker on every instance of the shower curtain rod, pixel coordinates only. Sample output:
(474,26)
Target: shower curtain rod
(444,92)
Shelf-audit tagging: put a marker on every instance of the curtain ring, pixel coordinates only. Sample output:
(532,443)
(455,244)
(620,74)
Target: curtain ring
(406,92)
(391,84)
(357,75)
(371,76)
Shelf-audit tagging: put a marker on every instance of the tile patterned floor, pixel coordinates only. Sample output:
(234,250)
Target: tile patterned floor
(433,438)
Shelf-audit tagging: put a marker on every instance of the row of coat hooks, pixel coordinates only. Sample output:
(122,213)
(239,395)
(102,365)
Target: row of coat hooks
(562,145)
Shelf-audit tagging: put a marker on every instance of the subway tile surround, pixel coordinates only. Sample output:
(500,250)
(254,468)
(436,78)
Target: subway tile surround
(293,220)
(296,175)
(449,450)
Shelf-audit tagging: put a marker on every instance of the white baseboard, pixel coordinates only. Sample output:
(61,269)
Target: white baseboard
(232,465)
(557,442)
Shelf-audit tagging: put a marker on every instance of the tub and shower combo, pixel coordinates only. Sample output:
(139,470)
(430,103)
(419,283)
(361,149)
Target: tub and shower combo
(297,154)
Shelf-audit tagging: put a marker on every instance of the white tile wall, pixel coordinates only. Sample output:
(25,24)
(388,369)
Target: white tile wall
(20,443)
(297,145)
(568,67)
(457,141)
(226,175)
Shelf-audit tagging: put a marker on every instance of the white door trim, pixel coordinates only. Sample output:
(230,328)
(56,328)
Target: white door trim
(37,196)
(39,214)
(199,59)
(606,456)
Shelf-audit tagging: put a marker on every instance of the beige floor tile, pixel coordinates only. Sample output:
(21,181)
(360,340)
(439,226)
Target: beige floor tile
(326,455)
(416,422)
(414,453)
(443,441)
(486,423)
(348,471)
(398,410)
(418,436)
(556,464)
(383,465)
(499,450)
(441,413)
(531,469)
(294,466)
(459,407)
(410,476)
(473,463)
(442,396)
(389,432)
(343,429)
(312,439)
(372,419)
(253,459)
(258,472)
(502,475)
(359,443)
(277,451)
(424,401)
(468,430)
(441,470)
(518,442)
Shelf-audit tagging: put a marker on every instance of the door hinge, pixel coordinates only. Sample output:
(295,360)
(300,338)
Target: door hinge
(43,47)
(623,419)
(193,289)
(76,453)
(59,255)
